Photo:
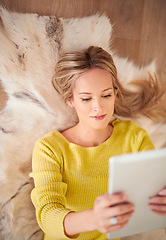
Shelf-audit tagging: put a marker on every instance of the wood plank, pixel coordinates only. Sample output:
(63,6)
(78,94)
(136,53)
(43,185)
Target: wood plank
(127,48)
(127,17)
(153,39)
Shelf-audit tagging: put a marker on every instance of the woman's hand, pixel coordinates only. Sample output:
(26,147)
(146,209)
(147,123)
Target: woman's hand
(158,203)
(112,212)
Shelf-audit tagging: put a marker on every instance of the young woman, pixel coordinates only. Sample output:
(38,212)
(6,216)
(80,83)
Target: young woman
(70,168)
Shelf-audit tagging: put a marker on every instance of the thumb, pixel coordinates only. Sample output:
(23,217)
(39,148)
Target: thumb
(163,192)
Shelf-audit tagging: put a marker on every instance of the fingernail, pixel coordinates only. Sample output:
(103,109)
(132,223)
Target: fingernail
(162,192)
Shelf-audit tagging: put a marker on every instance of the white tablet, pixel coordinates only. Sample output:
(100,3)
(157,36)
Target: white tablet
(140,175)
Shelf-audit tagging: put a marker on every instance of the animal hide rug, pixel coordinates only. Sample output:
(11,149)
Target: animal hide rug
(30,46)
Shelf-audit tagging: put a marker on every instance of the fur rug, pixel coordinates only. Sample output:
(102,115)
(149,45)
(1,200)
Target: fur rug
(30,46)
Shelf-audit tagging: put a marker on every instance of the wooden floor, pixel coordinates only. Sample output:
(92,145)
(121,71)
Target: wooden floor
(139,26)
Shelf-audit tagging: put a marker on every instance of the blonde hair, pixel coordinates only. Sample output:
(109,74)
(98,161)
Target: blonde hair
(146,99)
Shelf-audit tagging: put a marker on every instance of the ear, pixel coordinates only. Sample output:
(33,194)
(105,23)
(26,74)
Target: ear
(70,103)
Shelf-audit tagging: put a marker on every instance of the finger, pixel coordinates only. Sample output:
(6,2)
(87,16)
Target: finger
(116,227)
(121,209)
(118,198)
(123,218)
(107,200)
(163,192)
(118,210)
(161,213)
(108,228)
(159,209)
(157,200)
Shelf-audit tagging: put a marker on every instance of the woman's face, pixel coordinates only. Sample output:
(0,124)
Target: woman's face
(94,98)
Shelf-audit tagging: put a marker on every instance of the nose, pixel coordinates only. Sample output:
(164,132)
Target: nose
(97,105)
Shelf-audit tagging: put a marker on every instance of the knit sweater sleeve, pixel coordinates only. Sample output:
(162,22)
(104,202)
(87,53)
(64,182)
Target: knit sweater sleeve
(141,140)
(146,143)
(48,196)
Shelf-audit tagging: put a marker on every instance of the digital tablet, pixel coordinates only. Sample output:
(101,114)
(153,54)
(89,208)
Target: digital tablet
(139,175)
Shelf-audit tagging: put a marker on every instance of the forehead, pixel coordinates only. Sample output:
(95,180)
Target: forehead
(93,80)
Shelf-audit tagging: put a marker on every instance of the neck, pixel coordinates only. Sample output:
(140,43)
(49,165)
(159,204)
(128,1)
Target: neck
(92,137)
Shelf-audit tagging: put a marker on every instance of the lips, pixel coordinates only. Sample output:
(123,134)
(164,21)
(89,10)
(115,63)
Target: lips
(101,117)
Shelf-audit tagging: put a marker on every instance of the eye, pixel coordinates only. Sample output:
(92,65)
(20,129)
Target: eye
(85,99)
(108,95)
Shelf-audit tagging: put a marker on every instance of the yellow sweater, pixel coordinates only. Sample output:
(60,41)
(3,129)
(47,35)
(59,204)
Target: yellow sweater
(69,177)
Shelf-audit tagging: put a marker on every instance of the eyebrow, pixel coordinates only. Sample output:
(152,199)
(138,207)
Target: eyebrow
(102,91)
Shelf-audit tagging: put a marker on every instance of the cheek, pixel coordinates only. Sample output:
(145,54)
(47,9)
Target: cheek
(80,106)
(111,101)
(83,108)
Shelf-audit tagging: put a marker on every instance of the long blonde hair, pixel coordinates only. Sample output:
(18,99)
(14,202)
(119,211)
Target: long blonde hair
(147,99)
